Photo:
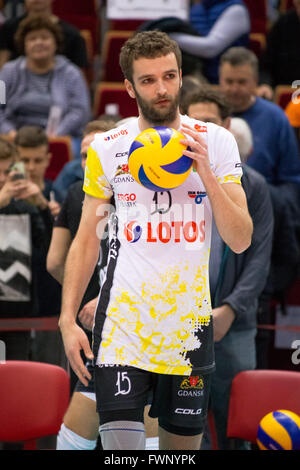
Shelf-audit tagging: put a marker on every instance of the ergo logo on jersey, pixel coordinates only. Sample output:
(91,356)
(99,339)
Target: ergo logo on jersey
(117,134)
(165,232)
(127,197)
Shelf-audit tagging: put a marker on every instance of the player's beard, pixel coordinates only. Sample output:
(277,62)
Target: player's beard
(157,116)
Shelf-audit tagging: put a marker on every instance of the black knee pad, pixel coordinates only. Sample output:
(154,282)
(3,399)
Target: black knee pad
(136,414)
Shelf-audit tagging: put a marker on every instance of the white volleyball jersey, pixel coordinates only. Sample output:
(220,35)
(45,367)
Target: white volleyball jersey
(154,309)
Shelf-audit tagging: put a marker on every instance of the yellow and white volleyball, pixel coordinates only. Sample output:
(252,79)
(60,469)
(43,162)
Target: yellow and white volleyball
(156,161)
(279,430)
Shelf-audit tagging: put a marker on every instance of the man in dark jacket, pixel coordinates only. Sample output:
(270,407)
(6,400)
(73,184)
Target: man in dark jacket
(236,280)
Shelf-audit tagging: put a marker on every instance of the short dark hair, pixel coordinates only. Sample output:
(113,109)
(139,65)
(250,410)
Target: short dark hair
(207,94)
(31,136)
(236,56)
(99,125)
(34,23)
(7,150)
(148,44)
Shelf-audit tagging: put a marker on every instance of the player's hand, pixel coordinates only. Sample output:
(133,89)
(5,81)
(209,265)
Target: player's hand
(222,320)
(75,340)
(86,314)
(198,149)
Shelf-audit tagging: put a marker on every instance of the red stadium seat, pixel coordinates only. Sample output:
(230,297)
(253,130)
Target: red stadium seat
(254,394)
(125,25)
(108,93)
(78,7)
(258,15)
(113,41)
(286,5)
(257,43)
(87,36)
(85,22)
(34,397)
(89,44)
(61,150)
(85,15)
(283,95)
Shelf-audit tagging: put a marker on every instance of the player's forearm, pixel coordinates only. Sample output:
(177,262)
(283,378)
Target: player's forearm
(80,265)
(232,220)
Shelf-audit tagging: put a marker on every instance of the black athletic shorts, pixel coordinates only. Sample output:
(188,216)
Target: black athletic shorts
(178,401)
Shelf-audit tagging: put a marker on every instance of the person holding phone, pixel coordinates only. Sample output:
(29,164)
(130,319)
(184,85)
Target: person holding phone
(17,278)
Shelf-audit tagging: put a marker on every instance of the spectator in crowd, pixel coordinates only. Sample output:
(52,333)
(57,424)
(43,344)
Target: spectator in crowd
(236,280)
(280,62)
(275,150)
(221,24)
(276,156)
(32,145)
(191,83)
(207,105)
(42,88)
(22,235)
(33,150)
(73,171)
(73,44)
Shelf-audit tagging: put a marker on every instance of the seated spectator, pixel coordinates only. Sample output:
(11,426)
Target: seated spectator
(22,241)
(33,149)
(32,145)
(191,83)
(73,44)
(73,171)
(41,86)
(243,136)
(275,151)
(276,156)
(207,105)
(221,24)
(280,62)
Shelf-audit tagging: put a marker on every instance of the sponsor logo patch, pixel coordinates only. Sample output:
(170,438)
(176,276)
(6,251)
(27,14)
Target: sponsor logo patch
(198,196)
(116,135)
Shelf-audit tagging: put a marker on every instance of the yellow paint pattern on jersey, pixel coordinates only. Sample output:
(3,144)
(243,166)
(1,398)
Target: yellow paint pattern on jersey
(95,183)
(170,333)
